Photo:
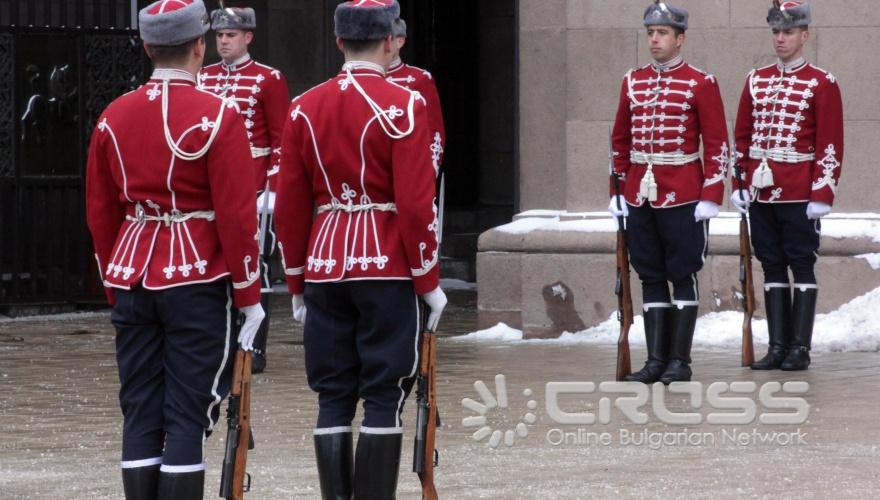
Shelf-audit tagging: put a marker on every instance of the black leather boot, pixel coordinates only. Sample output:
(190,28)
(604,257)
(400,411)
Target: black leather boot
(182,485)
(377,464)
(657,340)
(259,362)
(141,483)
(335,468)
(777,303)
(684,320)
(803,313)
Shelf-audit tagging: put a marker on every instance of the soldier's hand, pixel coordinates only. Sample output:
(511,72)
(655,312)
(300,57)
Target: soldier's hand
(705,210)
(618,207)
(436,301)
(299,308)
(253,316)
(740,199)
(817,210)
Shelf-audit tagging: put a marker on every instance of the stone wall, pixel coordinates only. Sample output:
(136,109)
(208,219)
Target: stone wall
(572,56)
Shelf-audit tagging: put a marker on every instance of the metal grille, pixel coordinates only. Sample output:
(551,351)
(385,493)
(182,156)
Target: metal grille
(76,14)
(7,105)
(61,63)
(114,65)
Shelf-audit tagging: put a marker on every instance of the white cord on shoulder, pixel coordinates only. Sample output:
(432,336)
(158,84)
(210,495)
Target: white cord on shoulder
(385,118)
(172,144)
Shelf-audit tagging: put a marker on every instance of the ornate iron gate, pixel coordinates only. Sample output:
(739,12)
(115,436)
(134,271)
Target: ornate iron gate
(61,63)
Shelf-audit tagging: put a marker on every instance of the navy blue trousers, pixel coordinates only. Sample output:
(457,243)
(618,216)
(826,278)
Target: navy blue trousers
(361,342)
(784,238)
(667,245)
(174,352)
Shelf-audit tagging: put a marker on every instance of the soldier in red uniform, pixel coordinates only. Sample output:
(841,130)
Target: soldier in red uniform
(358,232)
(422,82)
(789,140)
(668,188)
(263,98)
(175,241)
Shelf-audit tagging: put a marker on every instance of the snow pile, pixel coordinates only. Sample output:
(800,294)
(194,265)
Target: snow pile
(852,328)
(499,332)
(872,258)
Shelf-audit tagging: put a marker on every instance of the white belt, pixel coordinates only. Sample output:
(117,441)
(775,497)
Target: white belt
(260,152)
(780,156)
(640,158)
(338,207)
(176,216)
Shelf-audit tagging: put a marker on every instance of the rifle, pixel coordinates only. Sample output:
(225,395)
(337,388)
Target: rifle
(622,286)
(235,480)
(745,279)
(425,455)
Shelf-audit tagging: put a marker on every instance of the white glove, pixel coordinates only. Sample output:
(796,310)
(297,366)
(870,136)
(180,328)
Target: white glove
(612,206)
(299,308)
(261,202)
(705,210)
(741,200)
(817,210)
(253,316)
(436,301)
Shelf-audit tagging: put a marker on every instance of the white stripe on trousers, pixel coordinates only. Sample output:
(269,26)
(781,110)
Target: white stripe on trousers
(412,372)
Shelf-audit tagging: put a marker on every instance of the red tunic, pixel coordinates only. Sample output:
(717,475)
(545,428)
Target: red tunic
(793,118)
(263,98)
(422,82)
(354,202)
(162,221)
(661,118)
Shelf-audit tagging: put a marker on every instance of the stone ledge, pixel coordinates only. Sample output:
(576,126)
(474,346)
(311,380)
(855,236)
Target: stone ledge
(547,281)
(544,231)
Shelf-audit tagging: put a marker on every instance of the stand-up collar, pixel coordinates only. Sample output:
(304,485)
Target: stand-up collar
(239,64)
(171,74)
(792,66)
(395,65)
(672,64)
(363,67)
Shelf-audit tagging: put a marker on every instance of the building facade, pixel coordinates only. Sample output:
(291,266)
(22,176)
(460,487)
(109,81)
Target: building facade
(559,275)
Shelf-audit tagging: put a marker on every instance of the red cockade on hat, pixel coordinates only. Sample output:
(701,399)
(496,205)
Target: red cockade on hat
(168,6)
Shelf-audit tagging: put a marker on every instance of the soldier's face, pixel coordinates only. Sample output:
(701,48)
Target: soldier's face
(232,44)
(789,43)
(663,42)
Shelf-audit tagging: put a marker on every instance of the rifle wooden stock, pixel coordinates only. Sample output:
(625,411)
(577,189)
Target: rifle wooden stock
(235,481)
(748,291)
(624,304)
(426,417)
(747,282)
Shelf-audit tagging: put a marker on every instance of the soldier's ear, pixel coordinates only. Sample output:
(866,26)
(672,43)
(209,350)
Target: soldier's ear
(248,37)
(340,45)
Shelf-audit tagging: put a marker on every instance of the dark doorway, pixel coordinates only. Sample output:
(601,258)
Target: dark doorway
(61,63)
(470,48)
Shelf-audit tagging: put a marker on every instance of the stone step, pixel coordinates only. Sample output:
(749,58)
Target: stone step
(459,269)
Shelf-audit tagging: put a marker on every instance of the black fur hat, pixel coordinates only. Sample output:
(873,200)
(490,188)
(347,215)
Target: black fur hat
(365,19)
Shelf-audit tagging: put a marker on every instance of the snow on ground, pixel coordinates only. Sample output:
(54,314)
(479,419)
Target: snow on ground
(852,328)
(75,316)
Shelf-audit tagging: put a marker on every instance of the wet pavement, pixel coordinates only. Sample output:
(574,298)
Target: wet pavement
(61,423)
